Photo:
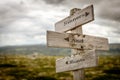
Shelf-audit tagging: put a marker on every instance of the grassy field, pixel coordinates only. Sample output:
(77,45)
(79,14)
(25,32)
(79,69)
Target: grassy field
(23,67)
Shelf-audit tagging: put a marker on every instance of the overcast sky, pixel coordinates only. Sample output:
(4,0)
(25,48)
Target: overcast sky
(24,22)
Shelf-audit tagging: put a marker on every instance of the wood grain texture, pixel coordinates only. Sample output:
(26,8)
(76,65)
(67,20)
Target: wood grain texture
(88,59)
(76,41)
(79,74)
(79,18)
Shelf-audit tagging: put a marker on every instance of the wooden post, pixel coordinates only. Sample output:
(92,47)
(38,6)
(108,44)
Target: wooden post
(77,74)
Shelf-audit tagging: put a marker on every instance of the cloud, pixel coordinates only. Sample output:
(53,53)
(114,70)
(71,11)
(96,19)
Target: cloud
(9,12)
(55,2)
(26,21)
(20,39)
(110,11)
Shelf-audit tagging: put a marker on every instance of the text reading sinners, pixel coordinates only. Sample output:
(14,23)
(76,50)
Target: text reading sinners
(76,18)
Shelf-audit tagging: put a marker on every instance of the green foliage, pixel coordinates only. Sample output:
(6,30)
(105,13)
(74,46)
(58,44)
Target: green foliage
(108,69)
(21,67)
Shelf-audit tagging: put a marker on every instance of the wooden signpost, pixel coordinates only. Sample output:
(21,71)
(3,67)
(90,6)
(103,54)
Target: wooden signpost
(83,46)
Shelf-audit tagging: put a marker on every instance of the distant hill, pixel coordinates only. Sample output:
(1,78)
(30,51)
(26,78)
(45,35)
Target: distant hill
(114,49)
(43,49)
(30,49)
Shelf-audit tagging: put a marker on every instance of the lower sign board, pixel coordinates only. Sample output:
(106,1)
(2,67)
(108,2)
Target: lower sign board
(85,60)
(76,41)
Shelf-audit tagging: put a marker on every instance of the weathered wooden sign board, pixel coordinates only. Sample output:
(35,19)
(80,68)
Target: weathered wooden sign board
(79,18)
(76,41)
(86,60)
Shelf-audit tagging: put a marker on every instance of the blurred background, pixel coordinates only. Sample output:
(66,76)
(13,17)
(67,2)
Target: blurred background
(23,51)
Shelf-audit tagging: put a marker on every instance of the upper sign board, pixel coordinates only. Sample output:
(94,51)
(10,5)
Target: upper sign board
(76,41)
(88,59)
(79,18)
